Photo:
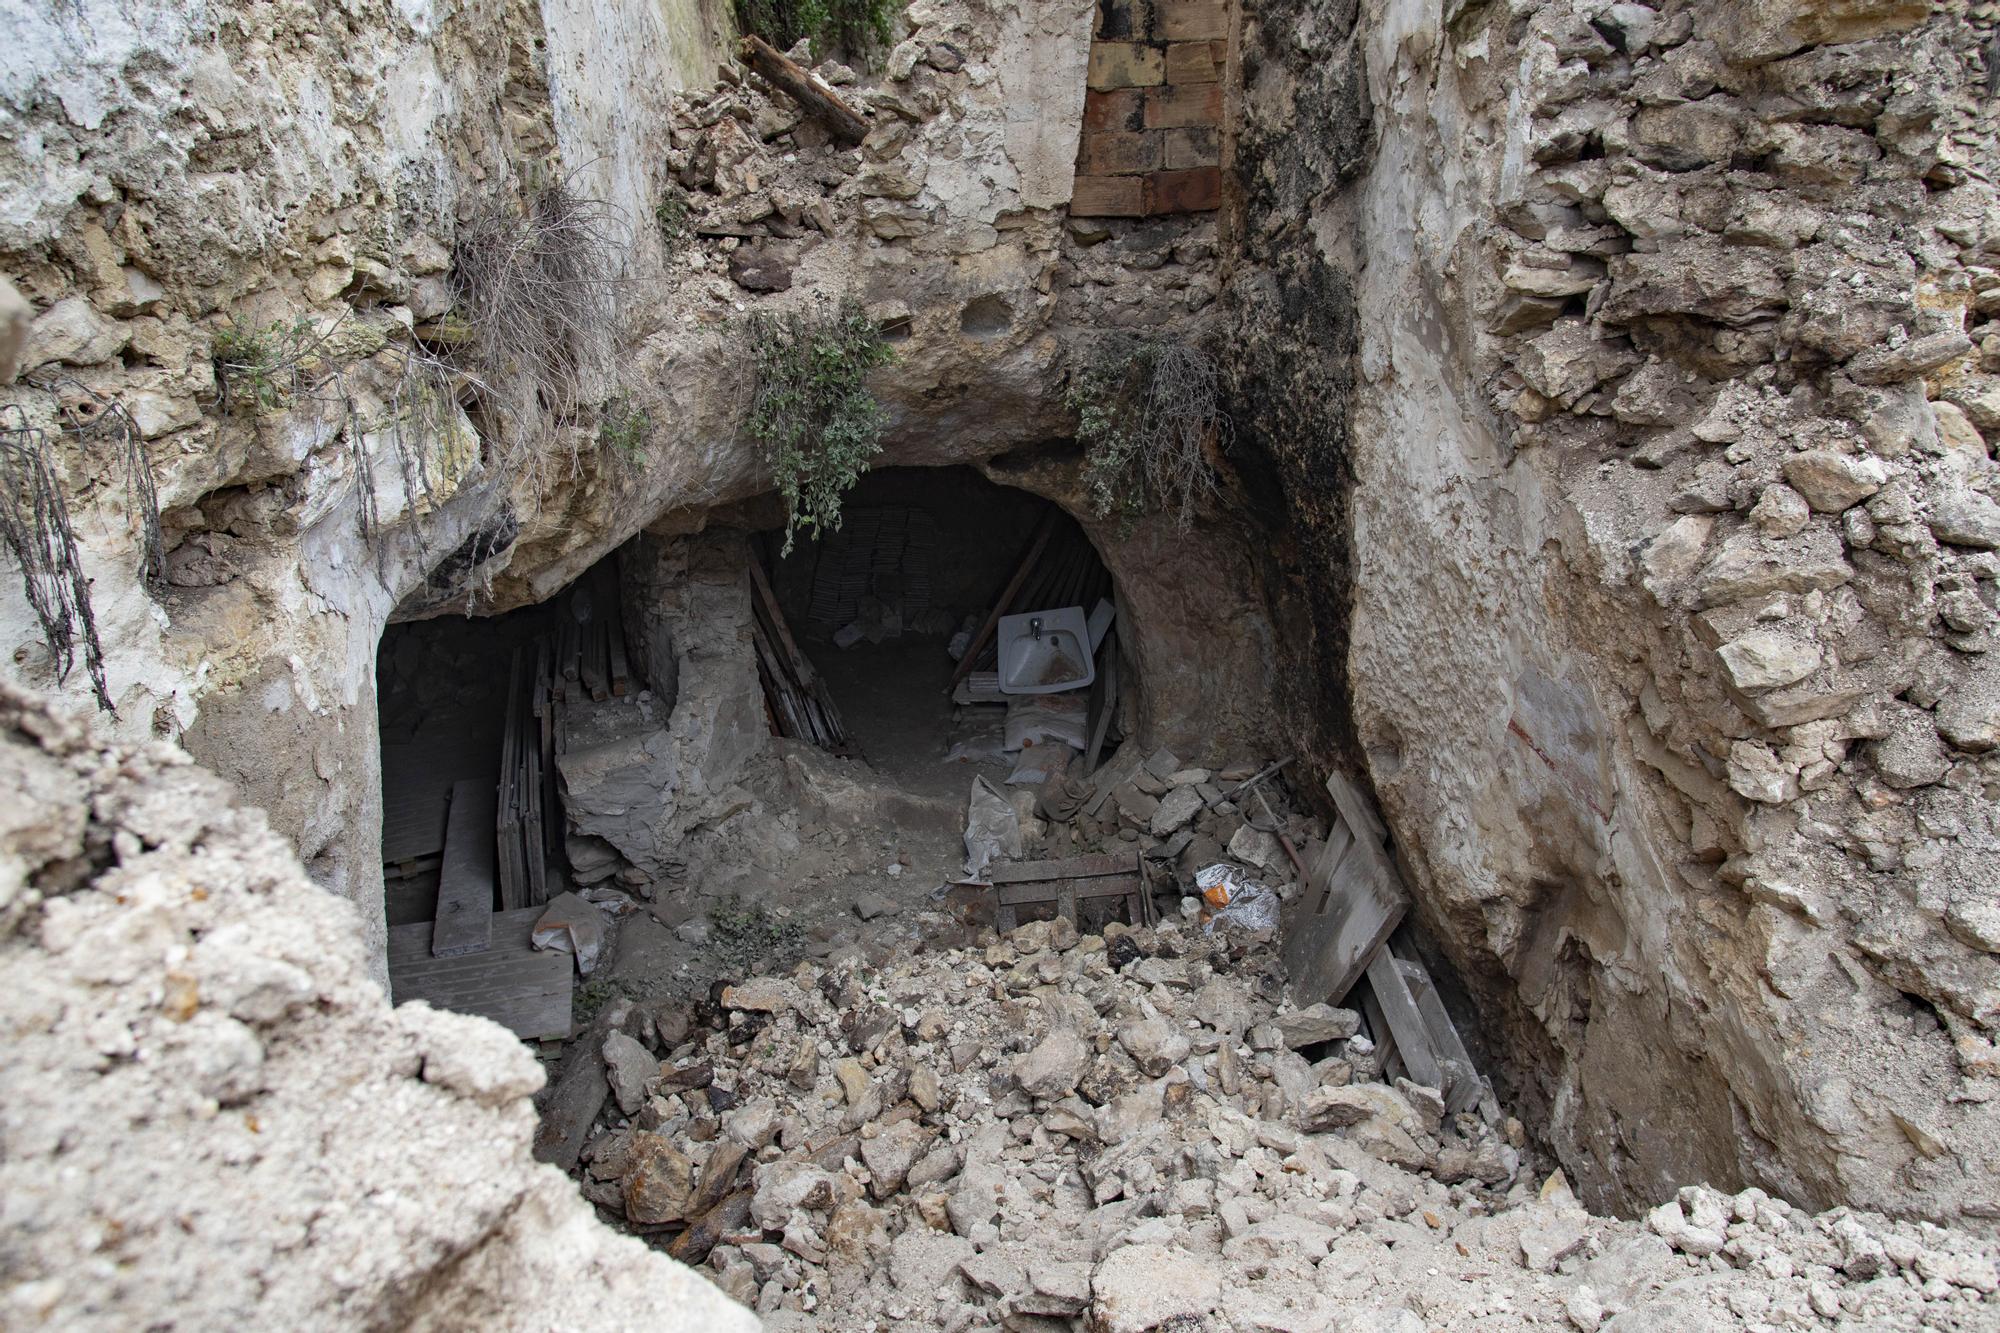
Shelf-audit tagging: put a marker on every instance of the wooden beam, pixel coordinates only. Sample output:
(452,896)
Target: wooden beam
(803,87)
(1326,954)
(1074,867)
(1406,1021)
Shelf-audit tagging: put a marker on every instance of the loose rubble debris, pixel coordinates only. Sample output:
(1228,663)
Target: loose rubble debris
(1129,1131)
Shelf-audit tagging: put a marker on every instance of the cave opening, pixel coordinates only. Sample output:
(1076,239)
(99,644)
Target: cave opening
(930,565)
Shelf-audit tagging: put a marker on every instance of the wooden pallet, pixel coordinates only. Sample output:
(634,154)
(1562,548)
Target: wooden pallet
(516,985)
(1067,882)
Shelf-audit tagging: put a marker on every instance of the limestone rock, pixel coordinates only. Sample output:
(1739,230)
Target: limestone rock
(629,1067)
(1674,554)
(1757,774)
(71,331)
(1176,808)
(1154,1044)
(659,1181)
(1910,755)
(1316,1024)
(1765,659)
(1969,716)
(890,1155)
(1831,482)
(1143,1287)
(15,316)
(1052,1068)
(1780,512)
(1749,566)
(1964,517)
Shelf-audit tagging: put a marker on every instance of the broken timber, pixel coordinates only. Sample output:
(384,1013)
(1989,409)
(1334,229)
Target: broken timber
(514,984)
(1350,905)
(1065,883)
(803,87)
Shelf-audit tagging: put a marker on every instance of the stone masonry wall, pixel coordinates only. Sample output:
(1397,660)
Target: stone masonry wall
(1153,141)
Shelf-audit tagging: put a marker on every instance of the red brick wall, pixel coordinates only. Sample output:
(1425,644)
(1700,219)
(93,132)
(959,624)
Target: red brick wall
(1152,120)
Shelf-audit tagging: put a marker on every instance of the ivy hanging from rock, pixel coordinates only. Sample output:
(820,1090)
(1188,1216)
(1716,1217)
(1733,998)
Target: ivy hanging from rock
(813,414)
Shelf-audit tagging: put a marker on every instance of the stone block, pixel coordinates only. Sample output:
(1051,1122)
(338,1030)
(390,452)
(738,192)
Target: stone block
(1113,109)
(1126,65)
(1108,197)
(1197,104)
(1194,62)
(1196,191)
(1184,21)
(1190,148)
(1111,154)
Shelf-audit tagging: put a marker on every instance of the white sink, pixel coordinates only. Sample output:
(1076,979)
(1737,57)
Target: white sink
(1045,652)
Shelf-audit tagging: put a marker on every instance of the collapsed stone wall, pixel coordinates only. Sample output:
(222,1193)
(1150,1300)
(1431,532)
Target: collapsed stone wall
(1668,516)
(210,1115)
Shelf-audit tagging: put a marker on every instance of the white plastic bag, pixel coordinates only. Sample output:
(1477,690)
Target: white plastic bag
(991,829)
(572,924)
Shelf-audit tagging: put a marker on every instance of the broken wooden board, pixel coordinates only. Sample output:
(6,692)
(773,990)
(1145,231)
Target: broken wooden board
(1065,883)
(1462,1088)
(1360,903)
(465,882)
(524,989)
(1405,1020)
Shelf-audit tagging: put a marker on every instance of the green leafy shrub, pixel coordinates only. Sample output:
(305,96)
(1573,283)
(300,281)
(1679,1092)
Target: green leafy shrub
(815,418)
(1150,420)
(746,933)
(852,25)
(670,215)
(624,428)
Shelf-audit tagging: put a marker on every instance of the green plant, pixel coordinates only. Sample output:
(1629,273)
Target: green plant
(853,25)
(1150,420)
(815,418)
(595,993)
(260,369)
(746,932)
(624,428)
(670,215)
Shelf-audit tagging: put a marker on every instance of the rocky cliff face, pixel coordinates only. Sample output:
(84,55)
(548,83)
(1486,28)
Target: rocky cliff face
(1667,510)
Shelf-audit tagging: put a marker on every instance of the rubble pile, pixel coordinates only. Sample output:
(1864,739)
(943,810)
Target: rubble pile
(1132,1130)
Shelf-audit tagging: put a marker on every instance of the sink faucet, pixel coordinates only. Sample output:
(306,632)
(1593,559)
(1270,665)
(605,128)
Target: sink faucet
(1035,627)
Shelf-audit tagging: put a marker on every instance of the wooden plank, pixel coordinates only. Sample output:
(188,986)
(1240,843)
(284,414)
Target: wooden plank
(530,996)
(1326,954)
(1105,886)
(511,930)
(1331,853)
(1461,1077)
(1103,698)
(1074,867)
(1356,808)
(1043,531)
(1406,1021)
(465,884)
(802,668)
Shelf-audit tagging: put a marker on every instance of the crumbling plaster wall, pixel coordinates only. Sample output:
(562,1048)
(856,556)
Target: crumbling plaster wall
(1667,515)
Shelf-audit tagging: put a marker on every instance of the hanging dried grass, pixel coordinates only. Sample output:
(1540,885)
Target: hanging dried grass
(35,523)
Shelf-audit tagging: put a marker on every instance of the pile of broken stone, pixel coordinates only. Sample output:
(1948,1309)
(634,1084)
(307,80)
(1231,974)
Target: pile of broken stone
(1131,1131)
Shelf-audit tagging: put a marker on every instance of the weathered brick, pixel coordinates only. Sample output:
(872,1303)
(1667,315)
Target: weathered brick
(1118,109)
(1108,197)
(1110,154)
(1198,105)
(1125,65)
(1119,20)
(1192,148)
(1196,191)
(1194,62)
(1190,21)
